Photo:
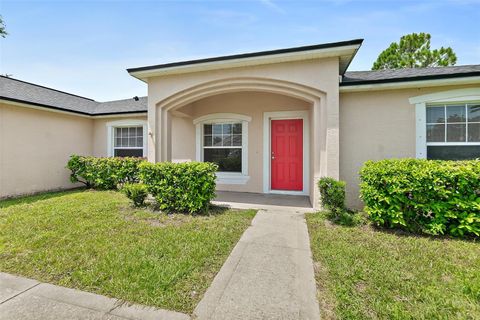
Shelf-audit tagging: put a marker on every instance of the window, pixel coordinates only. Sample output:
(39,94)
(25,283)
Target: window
(453,131)
(127,138)
(222,138)
(222,144)
(128,142)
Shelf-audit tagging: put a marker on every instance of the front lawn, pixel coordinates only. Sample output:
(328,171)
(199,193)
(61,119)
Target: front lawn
(363,273)
(95,241)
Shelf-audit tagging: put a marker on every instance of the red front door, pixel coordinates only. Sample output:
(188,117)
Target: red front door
(287,155)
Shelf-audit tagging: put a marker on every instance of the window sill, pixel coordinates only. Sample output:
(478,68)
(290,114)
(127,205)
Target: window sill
(226,178)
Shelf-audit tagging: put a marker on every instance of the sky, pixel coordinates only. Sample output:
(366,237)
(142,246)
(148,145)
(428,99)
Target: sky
(84,47)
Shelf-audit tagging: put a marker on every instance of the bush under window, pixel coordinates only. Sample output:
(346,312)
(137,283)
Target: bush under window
(180,187)
(433,197)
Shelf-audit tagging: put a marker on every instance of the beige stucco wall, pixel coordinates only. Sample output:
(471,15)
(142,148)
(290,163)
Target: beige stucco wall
(99,133)
(375,125)
(253,104)
(318,78)
(35,146)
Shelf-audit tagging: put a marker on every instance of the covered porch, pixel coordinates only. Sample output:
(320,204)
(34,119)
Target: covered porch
(270,120)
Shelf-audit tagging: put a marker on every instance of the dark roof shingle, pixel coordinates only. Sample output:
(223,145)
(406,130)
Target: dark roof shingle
(410,74)
(25,92)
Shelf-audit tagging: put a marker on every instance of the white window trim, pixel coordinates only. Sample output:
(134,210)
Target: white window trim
(468,95)
(267,119)
(111,125)
(225,177)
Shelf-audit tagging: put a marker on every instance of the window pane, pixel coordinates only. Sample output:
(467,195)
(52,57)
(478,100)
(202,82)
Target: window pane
(128,153)
(237,140)
(456,132)
(207,129)
(435,133)
(453,152)
(474,113)
(217,128)
(474,132)
(217,140)
(118,142)
(207,140)
(227,140)
(456,114)
(227,128)
(139,142)
(124,132)
(435,114)
(228,160)
(139,131)
(132,141)
(237,128)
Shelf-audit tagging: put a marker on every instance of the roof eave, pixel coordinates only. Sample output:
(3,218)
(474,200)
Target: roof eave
(41,106)
(427,81)
(344,49)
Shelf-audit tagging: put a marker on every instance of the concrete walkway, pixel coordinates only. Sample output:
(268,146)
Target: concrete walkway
(268,275)
(22,298)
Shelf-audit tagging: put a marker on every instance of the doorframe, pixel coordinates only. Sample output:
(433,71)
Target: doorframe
(285,115)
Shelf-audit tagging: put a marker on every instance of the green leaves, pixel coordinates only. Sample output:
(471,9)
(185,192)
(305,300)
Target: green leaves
(413,51)
(332,193)
(180,187)
(103,173)
(137,192)
(432,197)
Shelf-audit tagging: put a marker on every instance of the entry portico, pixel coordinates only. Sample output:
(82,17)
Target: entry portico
(224,109)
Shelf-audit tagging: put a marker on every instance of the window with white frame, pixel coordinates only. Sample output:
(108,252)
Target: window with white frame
(222,138)
(127,138)
(128,142)
(222,144)
(453,131)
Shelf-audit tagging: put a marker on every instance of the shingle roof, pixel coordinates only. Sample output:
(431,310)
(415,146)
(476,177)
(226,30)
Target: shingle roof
(25,92)
(411,74)
(122,106)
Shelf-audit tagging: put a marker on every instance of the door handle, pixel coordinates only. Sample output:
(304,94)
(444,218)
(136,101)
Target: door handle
(273,156)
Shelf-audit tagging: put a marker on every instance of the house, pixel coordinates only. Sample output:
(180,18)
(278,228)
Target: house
(274,121)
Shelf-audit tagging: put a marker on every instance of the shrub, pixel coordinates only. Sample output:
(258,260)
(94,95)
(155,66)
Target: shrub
(180,187)
(332,194)
(137,192)
(103,173)
(433,197)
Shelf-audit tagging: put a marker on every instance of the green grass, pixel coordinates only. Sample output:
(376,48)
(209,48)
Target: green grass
(364,273)
(95,241)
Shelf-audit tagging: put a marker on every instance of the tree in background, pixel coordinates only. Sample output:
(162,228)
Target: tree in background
(3,31)
(413,51)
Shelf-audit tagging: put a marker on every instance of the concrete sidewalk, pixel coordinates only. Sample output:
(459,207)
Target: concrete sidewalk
(268,275)
(22,298)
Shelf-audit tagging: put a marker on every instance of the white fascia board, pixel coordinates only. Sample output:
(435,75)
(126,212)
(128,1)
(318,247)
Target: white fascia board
(245,62)
(411,84)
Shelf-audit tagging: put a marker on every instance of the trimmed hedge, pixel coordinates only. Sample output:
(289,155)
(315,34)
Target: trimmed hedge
(137,192)
(332,193)
(180,187)
(433,197)
(103,173)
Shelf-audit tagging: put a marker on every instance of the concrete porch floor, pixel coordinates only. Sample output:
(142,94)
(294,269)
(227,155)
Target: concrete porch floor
(247,200)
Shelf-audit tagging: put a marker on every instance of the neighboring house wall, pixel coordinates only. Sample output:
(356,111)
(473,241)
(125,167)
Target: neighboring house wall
(35,146)
(375,125)
(99,136)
